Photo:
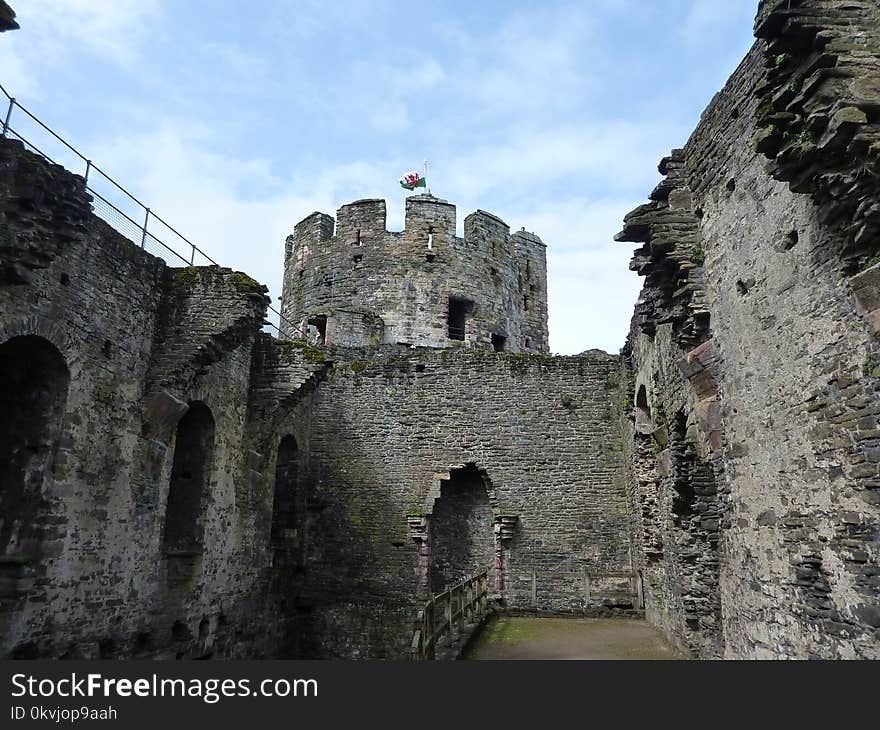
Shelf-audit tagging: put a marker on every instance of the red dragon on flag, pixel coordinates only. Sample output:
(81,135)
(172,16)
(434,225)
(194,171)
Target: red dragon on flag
(413,180)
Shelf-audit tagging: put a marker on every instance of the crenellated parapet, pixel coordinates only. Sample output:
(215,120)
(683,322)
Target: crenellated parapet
(349,281)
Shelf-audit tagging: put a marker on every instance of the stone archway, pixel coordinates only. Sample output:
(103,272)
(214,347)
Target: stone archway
(461,529)
(34,381)
(190,480)
(284,504)
(462,540)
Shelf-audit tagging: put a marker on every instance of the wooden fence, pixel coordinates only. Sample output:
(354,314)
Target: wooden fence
(445,616)
(592,588)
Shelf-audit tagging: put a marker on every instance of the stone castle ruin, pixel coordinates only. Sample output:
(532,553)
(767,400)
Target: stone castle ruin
(176,482)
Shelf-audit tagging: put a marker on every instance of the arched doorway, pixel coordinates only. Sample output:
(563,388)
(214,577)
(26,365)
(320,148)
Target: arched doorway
(284,514)
(190,474)
(462,528)
(34,381)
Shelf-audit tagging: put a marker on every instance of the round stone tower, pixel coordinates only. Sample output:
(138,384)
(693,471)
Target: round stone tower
(351,282)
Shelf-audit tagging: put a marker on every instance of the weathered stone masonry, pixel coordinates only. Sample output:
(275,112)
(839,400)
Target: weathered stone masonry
(190,486)
(363,285)
(752,340)
(90,492)
(176,483)
(386,432)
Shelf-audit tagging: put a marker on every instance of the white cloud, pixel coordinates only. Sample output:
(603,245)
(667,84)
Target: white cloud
(55,34)
(111,29)
(515,117)
(591,291)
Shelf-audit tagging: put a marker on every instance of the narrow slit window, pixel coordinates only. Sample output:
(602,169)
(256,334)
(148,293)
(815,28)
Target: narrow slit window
(431,238)
(526,303)
(358,241)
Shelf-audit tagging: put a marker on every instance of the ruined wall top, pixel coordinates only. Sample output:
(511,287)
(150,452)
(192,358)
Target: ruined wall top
(356,283)
(7,18)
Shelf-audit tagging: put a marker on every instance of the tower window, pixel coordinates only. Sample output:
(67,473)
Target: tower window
(319,322)
(458,311)
(358,241)
(430,238)
(499,343)
(526,303)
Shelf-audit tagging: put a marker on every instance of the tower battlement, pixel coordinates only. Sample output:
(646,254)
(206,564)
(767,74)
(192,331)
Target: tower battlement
(351,281)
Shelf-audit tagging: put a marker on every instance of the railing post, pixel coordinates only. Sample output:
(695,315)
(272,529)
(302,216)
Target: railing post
(146,222)
(461,616)
(192,258)
(8,115)
(88,170)
(431,630)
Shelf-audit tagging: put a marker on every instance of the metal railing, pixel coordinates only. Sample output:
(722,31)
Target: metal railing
(116,205)
(445,616)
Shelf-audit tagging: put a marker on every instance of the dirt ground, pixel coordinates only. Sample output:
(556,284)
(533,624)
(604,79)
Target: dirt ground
(527,637)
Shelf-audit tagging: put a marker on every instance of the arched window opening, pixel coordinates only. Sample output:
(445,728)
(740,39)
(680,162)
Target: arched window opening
(284,514)
(190,474)
(644,423)
(34,381)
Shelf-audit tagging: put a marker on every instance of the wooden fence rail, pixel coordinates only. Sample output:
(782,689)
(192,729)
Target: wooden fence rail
(585,582)
(445,615)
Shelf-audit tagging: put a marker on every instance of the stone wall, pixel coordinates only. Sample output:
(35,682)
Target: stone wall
(84,572)
(363,285)
(389,435)
(755,345)
(177,483)
(7,17)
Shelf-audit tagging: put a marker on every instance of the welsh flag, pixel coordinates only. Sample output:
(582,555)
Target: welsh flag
(413,180)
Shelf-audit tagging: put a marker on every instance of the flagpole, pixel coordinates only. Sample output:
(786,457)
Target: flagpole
(426,176)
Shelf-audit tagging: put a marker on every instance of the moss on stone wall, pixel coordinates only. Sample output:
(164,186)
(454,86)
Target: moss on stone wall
(247,285)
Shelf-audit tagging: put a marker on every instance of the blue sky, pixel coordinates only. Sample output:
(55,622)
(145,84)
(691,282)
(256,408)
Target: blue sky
(235,120)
